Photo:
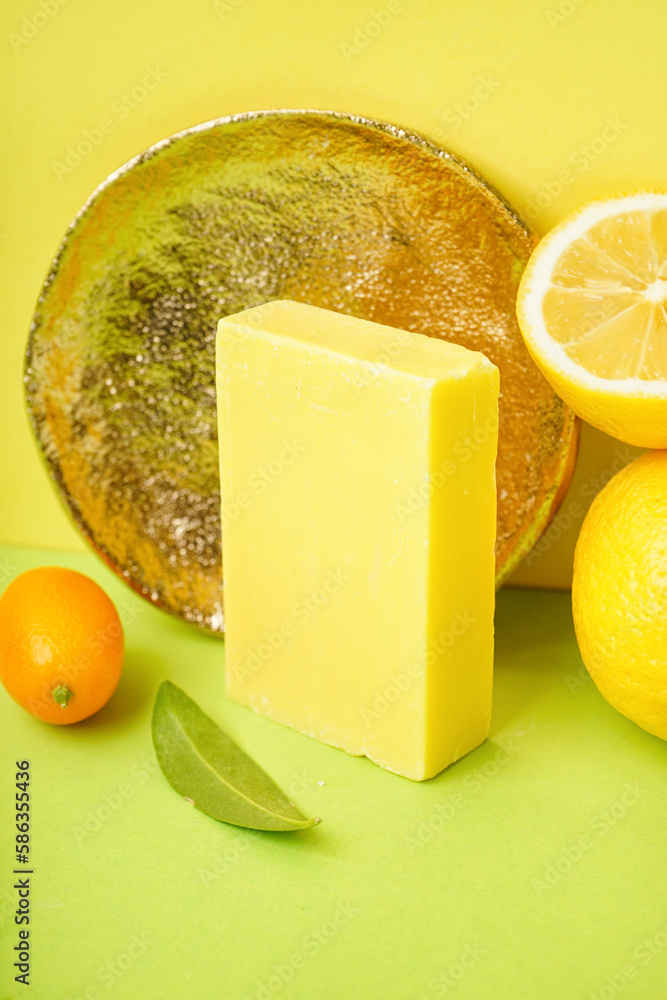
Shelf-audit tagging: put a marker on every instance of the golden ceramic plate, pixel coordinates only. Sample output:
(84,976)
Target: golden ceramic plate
(331,209)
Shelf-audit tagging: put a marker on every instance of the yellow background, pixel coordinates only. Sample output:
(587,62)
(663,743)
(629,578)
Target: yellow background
(556,101)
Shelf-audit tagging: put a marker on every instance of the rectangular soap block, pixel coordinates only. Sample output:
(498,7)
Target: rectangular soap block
(357,467)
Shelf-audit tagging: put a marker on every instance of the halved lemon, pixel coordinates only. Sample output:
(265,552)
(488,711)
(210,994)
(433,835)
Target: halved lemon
(592,307)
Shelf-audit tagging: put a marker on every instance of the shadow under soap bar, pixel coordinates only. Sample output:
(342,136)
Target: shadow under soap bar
(358,511)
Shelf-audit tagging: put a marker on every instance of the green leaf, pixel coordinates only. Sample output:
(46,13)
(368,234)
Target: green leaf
(206,767)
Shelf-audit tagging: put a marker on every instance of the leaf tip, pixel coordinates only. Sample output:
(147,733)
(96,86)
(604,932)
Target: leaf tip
(166,687)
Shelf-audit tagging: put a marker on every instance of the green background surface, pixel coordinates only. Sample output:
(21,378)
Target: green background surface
(540,858)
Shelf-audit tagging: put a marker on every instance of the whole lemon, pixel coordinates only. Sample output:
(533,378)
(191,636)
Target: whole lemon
(619,592)
(61,644)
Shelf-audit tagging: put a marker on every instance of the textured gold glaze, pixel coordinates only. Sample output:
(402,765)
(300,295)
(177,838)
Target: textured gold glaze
(330,209)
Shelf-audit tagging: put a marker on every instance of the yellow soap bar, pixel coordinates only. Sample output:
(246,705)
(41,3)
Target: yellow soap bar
(358,526)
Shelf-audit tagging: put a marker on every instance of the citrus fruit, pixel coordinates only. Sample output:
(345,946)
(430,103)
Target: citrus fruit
(619,591)
(592,307)
(61,644)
